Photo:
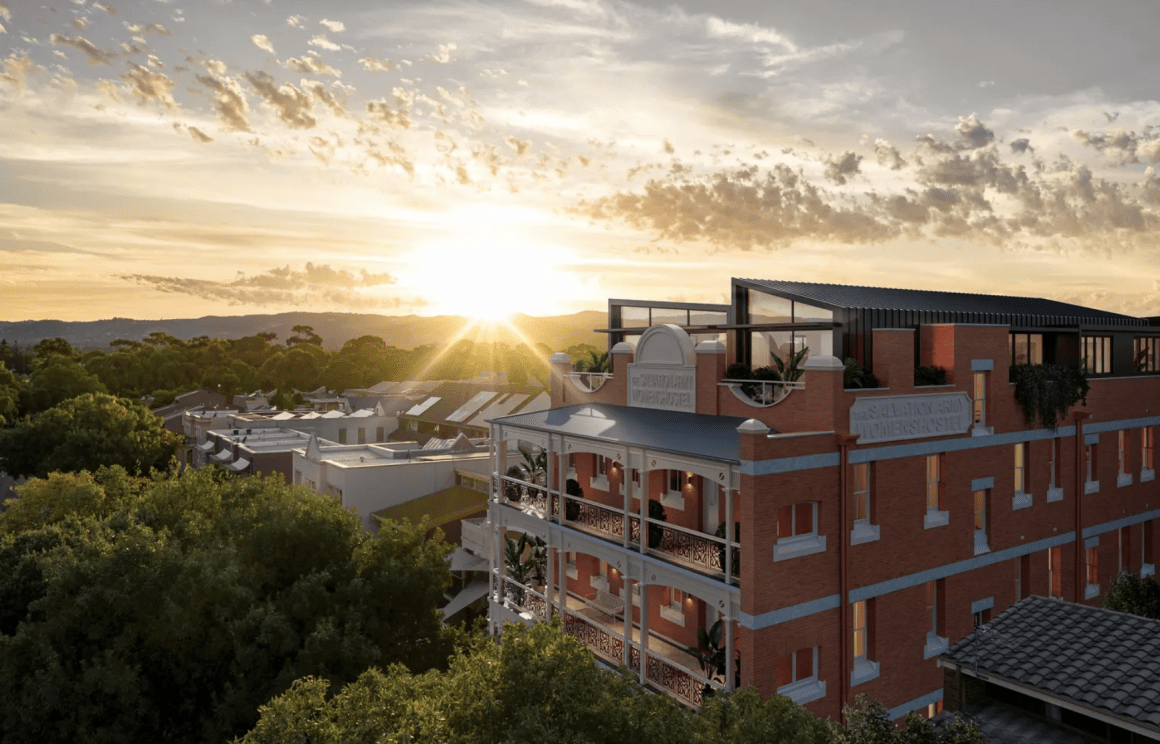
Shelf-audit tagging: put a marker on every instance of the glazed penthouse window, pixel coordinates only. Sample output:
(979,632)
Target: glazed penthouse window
(1027,348)
(1097,355)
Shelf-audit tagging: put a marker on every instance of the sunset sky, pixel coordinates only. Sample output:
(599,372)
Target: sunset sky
(178,158)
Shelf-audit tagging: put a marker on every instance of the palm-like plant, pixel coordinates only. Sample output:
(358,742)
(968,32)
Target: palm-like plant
(596,362)
(789,370)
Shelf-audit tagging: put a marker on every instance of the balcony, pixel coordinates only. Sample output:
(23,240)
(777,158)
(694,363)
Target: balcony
(689,548)
(762,393)
(667,667)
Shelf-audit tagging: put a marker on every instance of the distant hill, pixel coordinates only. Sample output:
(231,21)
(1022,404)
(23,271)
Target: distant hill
(403,331)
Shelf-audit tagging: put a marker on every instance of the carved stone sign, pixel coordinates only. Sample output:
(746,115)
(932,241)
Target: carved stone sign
(898,417)
(664,388)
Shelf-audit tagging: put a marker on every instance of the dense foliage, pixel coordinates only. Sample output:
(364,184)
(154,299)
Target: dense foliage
(929,375)
(1132,594)
(171,608)
(1048,390)
(84,433)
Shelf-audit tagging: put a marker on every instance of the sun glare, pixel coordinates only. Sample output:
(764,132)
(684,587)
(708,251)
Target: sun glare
(488,281)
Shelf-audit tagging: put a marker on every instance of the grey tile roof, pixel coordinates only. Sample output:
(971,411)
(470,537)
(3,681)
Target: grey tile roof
(710,437)
(878,298)
(1107,660)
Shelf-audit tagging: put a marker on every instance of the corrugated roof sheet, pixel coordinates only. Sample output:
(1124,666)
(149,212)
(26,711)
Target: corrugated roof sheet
(1099,658)
(921,300)
(710,437)
(442,507)
(471,406)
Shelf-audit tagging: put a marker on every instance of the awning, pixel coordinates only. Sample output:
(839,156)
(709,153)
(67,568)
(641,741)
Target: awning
(442,507)
(205,446)
(470,593)
(463,560)
(240,465)
(223,456)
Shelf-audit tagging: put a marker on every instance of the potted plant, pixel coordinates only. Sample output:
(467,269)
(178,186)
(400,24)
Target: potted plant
(710,655)
(572,508)
(736,550)
(511,491)
(656,533)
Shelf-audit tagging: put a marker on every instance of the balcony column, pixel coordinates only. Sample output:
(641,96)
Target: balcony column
(729,532)
(562,589)
(628,493)
(628,584)
(549,472)
(729,652)
(644,478)
(643,625)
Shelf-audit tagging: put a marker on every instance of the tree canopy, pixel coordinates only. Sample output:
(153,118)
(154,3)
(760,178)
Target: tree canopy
(85,433)
(171,608)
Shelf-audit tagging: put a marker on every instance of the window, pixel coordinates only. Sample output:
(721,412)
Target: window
(1027,348)
(980,399)
(380,434)
(600,580)
(863,530)
(936,640)
(982,617)
(674,611)
(342,436)
(602,465)
(797,531)
(980,510)
(599,481)
(934,517)
(864,669)
(675,480)
(797,676)
(1123,477)
(1097,355)
(1022,576)
(674,496)
(1054,490)
(934,709)
(570,568)
(1055,572)
(1147,465)
(1093,568)
(1022,498)
(1091,468)
(1147,354)
(1147,564)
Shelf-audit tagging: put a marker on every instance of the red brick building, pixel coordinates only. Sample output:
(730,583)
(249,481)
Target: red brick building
(873,526)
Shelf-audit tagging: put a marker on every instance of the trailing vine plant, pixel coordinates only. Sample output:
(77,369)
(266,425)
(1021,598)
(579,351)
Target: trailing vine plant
(1046,391)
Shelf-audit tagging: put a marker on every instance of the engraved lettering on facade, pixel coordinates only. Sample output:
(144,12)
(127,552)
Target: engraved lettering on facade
(910,417)
(663,388)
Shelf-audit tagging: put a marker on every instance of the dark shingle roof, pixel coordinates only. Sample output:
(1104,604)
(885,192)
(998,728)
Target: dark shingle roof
(1106,660)
(713,437)
(921,300)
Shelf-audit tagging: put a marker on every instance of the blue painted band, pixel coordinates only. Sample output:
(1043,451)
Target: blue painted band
(1115,524)
(1091,438)
(1135,423)
(790,464)
(982,604)
(982,484)
(785,614)
(950,569)
(982,365)
(918,703)
(1091,542)
(897,451)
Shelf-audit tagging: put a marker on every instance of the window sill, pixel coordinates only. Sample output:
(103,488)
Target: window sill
(1147,475)
(935,645)
(1092,591)
(673,500)
(863,532)
(1091,487)
(804,691)
(673,615)
(796,547)
(1123,479)
(864,671)
(571,571)
(1147,569)
(1054,494)
(981,431)
(981,546)
(599,482)
(1021,500)
(935,518)
(599,582)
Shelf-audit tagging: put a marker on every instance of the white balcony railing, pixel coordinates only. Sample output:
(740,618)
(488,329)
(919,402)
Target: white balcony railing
(589,382)
(473,535)
(763,392)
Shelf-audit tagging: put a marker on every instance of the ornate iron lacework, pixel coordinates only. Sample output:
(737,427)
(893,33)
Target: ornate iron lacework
(596,638)
(692,548)
(679,682)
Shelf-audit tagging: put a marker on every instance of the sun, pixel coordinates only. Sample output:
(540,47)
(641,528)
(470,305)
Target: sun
(488,280)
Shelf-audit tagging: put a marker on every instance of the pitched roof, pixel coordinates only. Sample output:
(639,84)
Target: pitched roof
(1104,660)
(836,296)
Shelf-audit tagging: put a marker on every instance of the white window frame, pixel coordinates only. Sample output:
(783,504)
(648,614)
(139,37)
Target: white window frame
(1022,498)
(570,568)
(1054,490)
(863,531)
(670,498)
(1147,452)
(935,644)
(599,479)
(805,690)
(1091,548)
(1123,477)
(1090,466)
(796,546)
(979,514)
(979,403)
(934,517)
(674,611)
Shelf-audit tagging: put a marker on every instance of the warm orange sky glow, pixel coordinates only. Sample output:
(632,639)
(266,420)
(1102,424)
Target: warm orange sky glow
(162,158)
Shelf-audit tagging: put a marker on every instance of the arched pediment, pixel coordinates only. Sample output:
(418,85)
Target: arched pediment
(666,345)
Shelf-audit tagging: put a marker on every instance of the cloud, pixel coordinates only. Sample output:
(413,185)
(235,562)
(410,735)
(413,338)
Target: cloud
(320,41)
(158,29)
(229,100)
(1121,146)
(443,56)
(973,133)
(150,86)
(324,96)
(334,26)
(263,43)
(1021,145)
(720,29)
(311,64)
(519,145)
(841,168)
(295,21)
(381,112)
(15,69)
(291,105)
(96,55)
(107,8)
(194,132)
(5,13)
(377,65)
(317,284)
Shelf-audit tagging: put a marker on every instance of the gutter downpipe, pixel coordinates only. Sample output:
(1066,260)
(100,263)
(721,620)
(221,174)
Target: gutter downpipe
(1080,480)
(843,572)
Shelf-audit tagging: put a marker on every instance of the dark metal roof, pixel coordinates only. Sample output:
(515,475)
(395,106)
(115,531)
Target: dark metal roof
(710,437)
(836,296)
(1106,660)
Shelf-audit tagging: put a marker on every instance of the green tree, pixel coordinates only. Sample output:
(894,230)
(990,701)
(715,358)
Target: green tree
(1134,595)
(57,380)
(869,723)
(171,608)
(304,334)
(52,347)
(11,388)
(85,433)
